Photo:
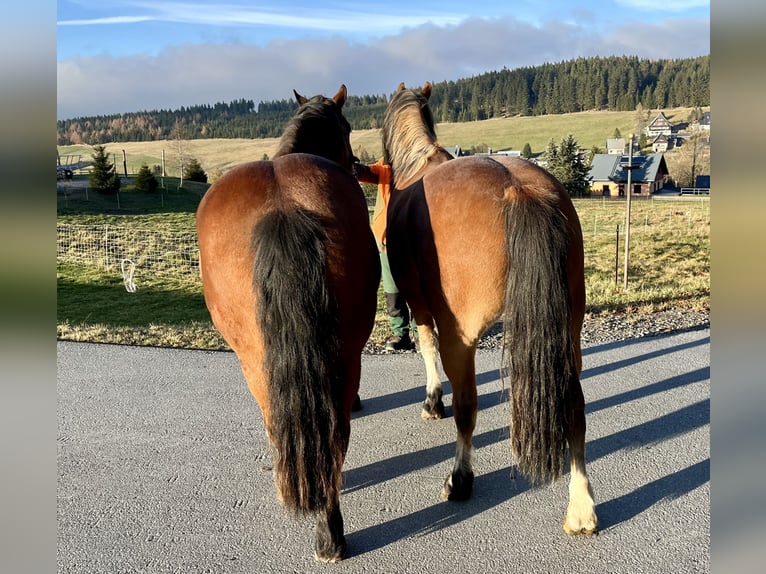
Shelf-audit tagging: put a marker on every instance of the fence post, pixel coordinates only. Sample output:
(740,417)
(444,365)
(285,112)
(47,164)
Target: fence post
(106,247)
(617,256)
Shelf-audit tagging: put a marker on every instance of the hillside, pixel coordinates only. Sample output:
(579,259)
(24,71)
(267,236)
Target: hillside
(588,128)
(613,84)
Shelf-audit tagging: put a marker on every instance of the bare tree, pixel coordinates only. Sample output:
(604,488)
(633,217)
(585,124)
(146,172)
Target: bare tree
(179,136)
(689,161)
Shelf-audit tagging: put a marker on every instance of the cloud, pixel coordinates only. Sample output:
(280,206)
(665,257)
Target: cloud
(204,73)
(230,14)
(111,20)
(664,5)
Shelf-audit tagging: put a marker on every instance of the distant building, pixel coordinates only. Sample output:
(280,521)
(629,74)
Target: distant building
(608,178)
(505,152)
(659,126)
(615,146)
(455,151)
(703,124)
(661,144)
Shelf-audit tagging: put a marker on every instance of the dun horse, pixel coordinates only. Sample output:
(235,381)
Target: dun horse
(290,273)
(474,239)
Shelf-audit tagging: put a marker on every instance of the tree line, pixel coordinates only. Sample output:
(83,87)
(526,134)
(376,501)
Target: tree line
(615,83)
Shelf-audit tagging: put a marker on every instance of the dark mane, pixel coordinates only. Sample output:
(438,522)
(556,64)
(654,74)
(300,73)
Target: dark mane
(409,136)
(318,128)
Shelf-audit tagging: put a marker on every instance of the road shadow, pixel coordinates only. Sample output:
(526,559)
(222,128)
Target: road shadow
(416,395)
(662,428)
(627,342)
(672,486)
(393,467)
(609,367)
(496,487)
(696,376)
(490,490)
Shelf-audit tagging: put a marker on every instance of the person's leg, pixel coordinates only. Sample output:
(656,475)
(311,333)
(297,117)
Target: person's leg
(396,306)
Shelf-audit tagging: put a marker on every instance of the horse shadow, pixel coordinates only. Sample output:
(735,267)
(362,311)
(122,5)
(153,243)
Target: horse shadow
(490,490)
(393,467)
(496,487)
(415,395)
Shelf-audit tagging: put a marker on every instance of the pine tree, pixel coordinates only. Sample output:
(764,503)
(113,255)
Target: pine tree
(194,171)
(526,152)
(566,165)
(551,154)
(103,174)
(145,180)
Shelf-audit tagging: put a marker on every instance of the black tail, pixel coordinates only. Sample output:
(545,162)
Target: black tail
(296,313)
(539,352)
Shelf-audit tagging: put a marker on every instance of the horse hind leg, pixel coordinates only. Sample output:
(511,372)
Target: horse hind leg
(458,361)
(581,514)
(433,407)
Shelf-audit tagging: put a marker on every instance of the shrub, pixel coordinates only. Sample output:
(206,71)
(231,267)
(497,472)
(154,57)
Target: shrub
(145,180)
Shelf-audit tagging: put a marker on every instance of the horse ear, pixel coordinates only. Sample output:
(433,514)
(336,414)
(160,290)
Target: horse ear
(400,88)
(426,91)
(340,97)
(301,99)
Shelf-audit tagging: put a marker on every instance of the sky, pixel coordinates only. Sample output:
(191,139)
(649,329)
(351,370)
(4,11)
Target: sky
(121,56)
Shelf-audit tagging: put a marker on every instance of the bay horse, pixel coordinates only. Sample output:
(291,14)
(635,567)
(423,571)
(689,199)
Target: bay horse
(473,239)
(290,273)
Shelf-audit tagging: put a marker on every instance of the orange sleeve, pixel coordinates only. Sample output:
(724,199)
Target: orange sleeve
(381,171)
(379,217)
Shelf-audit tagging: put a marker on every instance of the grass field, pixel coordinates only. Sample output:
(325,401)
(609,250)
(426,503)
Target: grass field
(670,265)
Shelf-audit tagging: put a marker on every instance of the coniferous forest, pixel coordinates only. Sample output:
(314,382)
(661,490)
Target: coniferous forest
(617,83)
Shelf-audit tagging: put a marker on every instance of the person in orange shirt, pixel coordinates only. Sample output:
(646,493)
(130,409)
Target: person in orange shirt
(398,313)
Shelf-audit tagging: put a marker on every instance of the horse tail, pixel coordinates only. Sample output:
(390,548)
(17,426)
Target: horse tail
(299,325)
(538,352)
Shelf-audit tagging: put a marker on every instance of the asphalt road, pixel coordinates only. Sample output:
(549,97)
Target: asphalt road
(162,467)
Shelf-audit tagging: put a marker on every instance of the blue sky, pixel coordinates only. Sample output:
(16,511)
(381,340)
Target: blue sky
(130,55)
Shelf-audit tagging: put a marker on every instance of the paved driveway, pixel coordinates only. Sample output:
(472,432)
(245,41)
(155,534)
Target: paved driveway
(162,462)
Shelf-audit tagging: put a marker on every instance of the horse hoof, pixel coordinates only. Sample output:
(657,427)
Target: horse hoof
(587,527)
(328,559)
(457,486)
(432,411)
(331,553)
(581,512)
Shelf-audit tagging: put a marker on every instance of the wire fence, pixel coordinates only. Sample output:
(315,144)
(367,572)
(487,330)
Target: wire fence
(123,249)
(648,216)
(109,247)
